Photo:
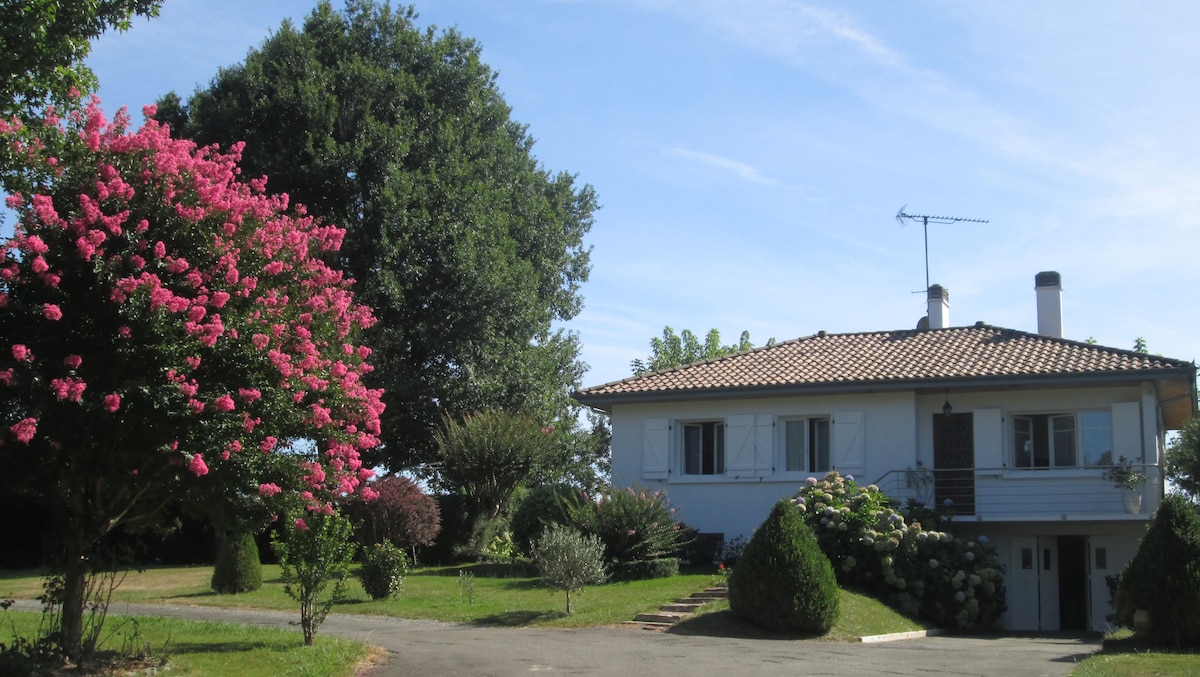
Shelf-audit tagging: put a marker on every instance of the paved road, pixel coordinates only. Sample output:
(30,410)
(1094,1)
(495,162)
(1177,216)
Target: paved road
(432,648)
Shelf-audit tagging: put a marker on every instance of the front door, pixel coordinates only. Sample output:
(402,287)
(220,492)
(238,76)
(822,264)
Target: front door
(954,461)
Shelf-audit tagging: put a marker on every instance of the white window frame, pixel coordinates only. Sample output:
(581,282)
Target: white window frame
(1057,422)
(806,424)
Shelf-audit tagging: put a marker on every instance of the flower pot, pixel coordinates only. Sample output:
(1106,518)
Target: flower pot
(1133,500)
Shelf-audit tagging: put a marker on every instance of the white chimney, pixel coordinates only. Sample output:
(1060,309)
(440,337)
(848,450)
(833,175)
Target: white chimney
(1049,303)
(939,307)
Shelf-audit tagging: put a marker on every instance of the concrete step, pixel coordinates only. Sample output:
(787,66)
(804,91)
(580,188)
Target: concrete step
(683,606)
(711,593)
(669,617)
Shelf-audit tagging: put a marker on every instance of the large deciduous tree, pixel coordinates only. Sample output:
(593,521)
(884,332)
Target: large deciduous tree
(165,328)
(466,247)
(43,44)
(1183,459)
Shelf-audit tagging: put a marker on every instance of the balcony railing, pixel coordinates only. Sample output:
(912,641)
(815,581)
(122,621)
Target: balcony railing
(1005,494)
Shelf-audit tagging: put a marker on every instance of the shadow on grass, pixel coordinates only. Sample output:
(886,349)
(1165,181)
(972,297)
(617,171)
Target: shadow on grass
(727,624)
(519,618)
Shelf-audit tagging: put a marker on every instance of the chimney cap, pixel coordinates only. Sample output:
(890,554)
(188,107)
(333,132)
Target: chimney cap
(937,291)
(1047,278)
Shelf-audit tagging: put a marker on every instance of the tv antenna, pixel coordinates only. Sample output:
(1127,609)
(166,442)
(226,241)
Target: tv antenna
(925,220)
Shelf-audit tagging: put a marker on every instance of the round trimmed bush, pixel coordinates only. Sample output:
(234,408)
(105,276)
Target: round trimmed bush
(782,580)
(1164,577)
(546,504)
(238,567)
(383,570)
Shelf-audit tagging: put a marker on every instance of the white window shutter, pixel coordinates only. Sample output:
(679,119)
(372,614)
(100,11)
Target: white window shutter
(656,447)
(764,445)
(739,445)
(849,442)
(989,438)
(1127,431)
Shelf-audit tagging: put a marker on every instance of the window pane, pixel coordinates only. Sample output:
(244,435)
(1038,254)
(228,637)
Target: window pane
(691,449)
(1096,436)
(819,444)
(793,442)
(706,452)
(1022,442)
(719,451)
(1064,440)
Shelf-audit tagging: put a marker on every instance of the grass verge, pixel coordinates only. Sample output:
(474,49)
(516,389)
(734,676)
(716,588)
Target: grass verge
(1124,654)
(224,649)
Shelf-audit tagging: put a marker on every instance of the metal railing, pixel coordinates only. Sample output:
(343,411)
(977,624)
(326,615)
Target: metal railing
(1019,493)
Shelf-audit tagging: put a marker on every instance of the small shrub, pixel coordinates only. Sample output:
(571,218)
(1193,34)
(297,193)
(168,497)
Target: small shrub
(545,505)
(640,570)
(466,585)
(1164,576)
(238,568)
(383,570)
(569,560)
(313,550)
(783,581)
(634,525)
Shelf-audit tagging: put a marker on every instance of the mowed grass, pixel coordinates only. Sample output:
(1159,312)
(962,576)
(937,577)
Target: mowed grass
(507,596)
(501,596)
(1126,655)
(225,649)
(861,616)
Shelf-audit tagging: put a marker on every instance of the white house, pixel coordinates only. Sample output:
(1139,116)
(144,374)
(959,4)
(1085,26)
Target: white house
(1015,428)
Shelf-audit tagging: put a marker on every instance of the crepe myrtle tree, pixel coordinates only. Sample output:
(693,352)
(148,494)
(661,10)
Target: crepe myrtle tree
(166,330)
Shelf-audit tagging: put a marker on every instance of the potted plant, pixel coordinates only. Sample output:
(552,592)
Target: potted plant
(1124,476)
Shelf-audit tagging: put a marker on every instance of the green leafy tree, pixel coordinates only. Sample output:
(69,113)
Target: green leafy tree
(487,455)
(569,560)
(1183,459)
(1164,576)
(468,250)
(43,44)
(314,549)
(673,350)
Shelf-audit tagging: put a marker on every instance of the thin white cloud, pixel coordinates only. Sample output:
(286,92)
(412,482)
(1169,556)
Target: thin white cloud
(742,169)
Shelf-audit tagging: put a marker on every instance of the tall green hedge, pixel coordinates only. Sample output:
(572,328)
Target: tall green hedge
(782,580)
(238,567)
(1164,577)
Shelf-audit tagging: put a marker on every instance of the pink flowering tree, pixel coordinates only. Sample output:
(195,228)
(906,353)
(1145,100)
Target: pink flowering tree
(167,329)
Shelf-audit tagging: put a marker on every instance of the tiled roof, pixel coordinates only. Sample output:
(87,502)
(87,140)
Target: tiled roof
(909,358)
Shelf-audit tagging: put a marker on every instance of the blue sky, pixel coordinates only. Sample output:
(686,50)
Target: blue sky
(750,157)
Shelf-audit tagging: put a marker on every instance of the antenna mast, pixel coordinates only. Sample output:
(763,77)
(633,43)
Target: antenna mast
(925,220)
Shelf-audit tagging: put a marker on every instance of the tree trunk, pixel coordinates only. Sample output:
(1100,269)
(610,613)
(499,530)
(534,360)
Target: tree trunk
(74,580)
(568,601)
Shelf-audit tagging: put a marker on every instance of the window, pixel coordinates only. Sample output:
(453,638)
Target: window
(806,445)
(704,448)
(1062,440)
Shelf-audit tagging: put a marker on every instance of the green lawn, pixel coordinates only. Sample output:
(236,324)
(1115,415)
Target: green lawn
(500,596)
(1126,655)
(200,648)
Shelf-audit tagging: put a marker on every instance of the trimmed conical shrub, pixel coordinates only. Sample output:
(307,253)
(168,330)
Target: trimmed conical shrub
(1164,577)
(783,581)
(238,567)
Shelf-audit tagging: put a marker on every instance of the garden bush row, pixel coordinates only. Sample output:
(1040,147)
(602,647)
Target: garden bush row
(889,553)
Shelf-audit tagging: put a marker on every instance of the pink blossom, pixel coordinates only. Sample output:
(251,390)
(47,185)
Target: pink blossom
(219,299)
(223,403)
(39,265)
(51,312)
(70,389)
(193,361)
(6,376)
(269,489)
(124,332)
(268,443)
(22,354)
(196,406)
(249,395)
(24,430)
(112,402)
(300,524)
(73,361)
(197,466)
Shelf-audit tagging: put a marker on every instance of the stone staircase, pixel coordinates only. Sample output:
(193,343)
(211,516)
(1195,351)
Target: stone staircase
(670,614)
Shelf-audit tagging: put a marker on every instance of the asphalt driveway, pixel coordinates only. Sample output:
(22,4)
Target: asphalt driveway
(417,647)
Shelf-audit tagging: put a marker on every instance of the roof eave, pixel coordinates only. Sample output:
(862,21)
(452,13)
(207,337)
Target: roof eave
(606,401)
